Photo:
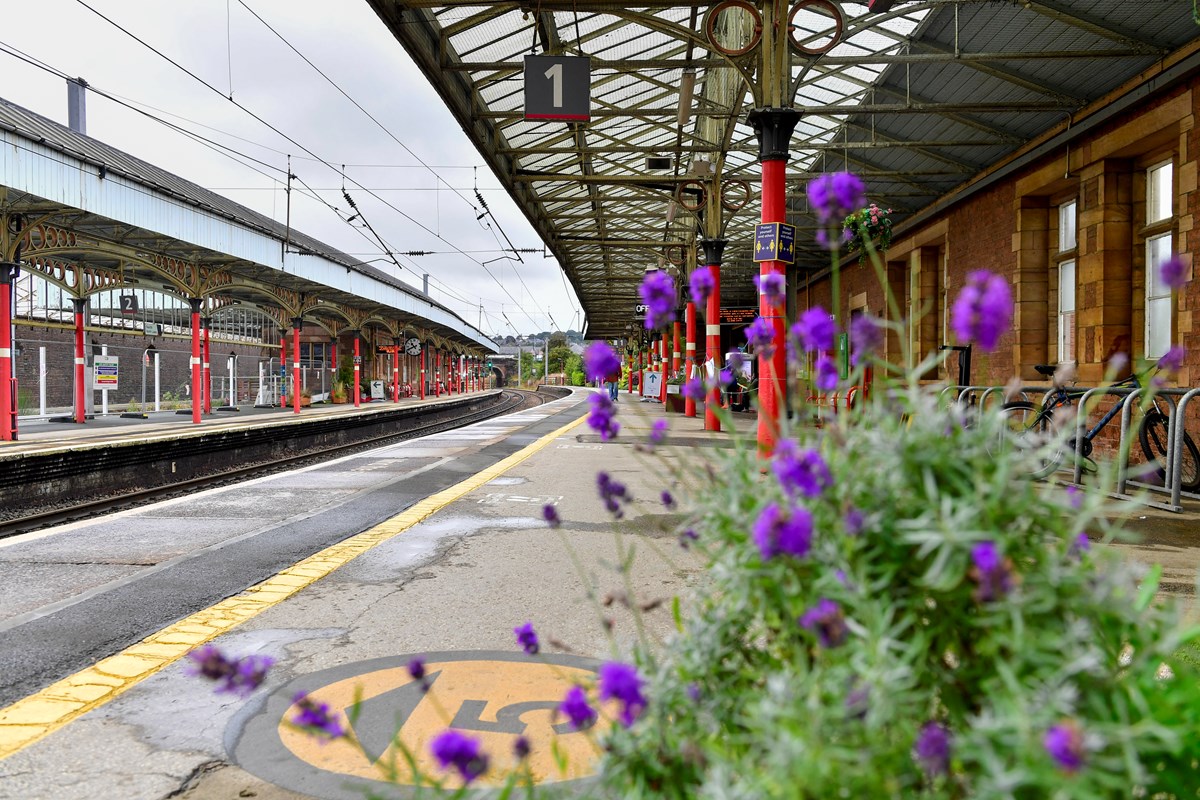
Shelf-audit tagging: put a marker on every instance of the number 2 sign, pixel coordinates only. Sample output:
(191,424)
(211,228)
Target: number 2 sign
(558,88)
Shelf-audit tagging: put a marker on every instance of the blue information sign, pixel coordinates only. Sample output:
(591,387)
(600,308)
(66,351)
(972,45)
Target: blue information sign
(775,241)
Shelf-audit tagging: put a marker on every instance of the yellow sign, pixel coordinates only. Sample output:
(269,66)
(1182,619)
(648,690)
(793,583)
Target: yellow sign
(495,697)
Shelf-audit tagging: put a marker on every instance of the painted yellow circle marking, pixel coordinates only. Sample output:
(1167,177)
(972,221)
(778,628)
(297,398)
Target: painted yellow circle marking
(390,720)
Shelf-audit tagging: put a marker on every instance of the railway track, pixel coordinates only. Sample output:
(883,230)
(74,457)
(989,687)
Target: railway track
(36,519)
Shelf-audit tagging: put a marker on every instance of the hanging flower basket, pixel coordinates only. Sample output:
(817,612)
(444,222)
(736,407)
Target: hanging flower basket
(872,222)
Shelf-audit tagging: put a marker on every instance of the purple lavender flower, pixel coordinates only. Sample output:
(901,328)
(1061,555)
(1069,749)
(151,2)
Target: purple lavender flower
(658,293)
(612,493)
(668,500)
(599,361)
(658,432)
(602,417)
(799,472)
(457,750)
(621,682)
(576,709)
(826,620)
(854,521)
(760,335)
(776,531)
(815,330)
(827,374)
(701,284)
(834,196)
(522,748)
(1074,496)
(416,669)
(983,311)
(771,286)
(693,692)
(1173,272)
(737,360)
(550,514)
(1172,360)
(687,537)
(527,638)
(1064,743)
(866,337)
(693,389)
(725,377)
(1081,544)
(932,749)
(239,676)
(316,718)
(992,572)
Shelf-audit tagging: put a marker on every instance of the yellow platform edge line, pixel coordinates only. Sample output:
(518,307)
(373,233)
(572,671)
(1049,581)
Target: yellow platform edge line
(40,714)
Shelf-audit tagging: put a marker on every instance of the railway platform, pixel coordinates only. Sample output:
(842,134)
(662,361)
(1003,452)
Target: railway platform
(433,548)
(343,574)
(41,435)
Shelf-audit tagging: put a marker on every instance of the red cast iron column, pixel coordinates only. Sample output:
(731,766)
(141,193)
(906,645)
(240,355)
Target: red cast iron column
(8,393)
(296,323)
(713,249)
(357,372)
(197,372)
(689,405)
(774,127)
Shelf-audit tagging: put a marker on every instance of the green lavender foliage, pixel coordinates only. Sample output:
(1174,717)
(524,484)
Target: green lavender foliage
(747,704)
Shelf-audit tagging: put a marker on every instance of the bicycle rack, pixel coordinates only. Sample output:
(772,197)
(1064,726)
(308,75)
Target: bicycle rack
(1175,435)
(1081,422)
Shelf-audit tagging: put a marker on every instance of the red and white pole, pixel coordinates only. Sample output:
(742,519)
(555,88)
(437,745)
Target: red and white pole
(197,373)
(774,127)
(689,362)
(421,385)
(357,373)
(662,367)
(296,323)
(8,389)
(437,376)
(714,250)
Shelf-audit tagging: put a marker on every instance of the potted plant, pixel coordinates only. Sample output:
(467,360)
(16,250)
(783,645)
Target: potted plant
(872,222)
(675,400)
(338,391)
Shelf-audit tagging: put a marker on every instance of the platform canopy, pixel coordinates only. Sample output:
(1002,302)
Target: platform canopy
(920,99)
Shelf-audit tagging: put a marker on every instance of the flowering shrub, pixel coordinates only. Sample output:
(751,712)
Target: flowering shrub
(872,222)
(893,611)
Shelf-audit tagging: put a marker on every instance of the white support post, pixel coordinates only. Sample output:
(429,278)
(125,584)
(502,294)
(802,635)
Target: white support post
(103,392)
(41,381)
(157,394)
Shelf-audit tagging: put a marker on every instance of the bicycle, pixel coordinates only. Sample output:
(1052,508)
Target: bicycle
(1034,425)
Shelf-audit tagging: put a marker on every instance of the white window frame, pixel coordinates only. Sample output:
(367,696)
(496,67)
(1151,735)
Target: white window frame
(1160,207)
(1066,282)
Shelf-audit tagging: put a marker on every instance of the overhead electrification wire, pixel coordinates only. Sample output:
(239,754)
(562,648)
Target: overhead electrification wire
(264,122)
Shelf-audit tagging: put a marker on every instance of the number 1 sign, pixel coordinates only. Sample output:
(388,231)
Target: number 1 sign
(558,87)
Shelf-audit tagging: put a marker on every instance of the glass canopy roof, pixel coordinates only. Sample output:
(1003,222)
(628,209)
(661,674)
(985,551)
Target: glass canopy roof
(918,100)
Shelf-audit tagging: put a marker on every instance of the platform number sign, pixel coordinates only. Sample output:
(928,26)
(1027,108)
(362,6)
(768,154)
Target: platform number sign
(129,304)
(558,88)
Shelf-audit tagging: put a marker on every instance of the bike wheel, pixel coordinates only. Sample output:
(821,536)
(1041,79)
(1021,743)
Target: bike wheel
(1030,432)
(1153,438)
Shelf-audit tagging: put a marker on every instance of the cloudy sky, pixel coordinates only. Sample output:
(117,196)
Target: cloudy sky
(430,180)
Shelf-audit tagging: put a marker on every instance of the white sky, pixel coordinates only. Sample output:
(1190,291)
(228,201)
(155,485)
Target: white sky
(219,40)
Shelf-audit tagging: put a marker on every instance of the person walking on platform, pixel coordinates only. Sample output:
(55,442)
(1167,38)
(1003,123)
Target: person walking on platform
(612,382)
